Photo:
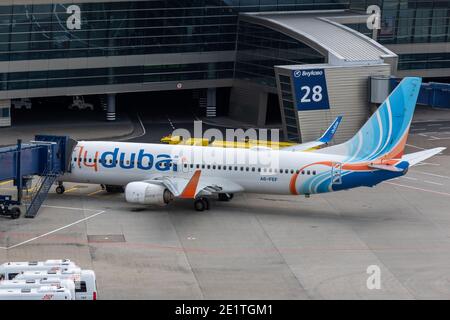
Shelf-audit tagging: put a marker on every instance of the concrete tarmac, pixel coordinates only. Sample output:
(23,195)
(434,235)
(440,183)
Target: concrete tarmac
(255,246)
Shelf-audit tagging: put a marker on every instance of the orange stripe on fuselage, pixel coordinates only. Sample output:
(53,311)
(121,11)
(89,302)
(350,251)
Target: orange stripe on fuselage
(363,166)
(80,154)
(191,188)
(293,181)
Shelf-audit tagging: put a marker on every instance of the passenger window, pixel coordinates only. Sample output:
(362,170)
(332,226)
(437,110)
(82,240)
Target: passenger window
(2,276)
(191,165)
(235,168)
(247,168)
(208,167)
(198,166)
(281,170)
(303,171)
(297,172)
(314,172)
(253,169)
(292,171)
(259,169)
(214,167)
(203,166)
(219,167)
(308,172)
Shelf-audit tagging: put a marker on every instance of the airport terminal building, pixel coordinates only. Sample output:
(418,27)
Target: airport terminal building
(309,60)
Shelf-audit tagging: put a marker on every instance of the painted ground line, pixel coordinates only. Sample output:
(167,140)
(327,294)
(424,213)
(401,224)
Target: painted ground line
(53,231)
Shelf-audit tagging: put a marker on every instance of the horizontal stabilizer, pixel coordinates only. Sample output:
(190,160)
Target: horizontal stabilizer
(385,167)
(416,157)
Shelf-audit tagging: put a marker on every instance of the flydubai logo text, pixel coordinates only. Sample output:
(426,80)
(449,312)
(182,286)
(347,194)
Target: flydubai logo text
(115,158)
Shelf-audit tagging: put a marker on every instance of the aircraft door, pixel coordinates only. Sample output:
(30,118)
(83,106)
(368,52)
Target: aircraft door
(336,173)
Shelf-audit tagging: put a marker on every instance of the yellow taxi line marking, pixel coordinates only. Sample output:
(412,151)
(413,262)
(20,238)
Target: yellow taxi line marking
(5,182)
(71,189)
(95,192)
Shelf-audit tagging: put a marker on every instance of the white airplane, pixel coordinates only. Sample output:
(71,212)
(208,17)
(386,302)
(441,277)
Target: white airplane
(158,173)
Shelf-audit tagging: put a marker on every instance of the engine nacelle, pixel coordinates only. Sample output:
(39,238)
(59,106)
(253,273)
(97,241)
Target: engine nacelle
(147,193)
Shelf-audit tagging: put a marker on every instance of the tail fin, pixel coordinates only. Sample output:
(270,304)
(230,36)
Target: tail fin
(329,133)
(384,135)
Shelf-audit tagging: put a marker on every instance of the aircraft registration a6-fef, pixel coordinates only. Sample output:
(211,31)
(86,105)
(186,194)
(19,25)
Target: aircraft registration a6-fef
(159,173)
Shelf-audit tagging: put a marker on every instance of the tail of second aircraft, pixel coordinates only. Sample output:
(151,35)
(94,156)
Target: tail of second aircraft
(384,135)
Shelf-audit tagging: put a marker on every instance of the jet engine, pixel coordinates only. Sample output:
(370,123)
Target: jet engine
(147,193)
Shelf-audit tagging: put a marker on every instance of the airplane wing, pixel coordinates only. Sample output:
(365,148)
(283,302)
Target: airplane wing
(324,139)
(197,185)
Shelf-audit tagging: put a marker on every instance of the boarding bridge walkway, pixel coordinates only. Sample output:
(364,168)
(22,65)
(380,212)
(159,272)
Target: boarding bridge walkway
(433,94)
(46,158)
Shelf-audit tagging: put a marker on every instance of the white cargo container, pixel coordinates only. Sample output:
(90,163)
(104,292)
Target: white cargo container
(42,293)
(85,281)
(38,283)
(9,270)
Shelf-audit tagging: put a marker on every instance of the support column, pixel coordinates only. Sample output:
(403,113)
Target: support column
(111,110)
(211,103)
(5,113)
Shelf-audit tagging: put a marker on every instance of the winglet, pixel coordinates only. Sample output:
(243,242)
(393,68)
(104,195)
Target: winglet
(329,133)
(190,190)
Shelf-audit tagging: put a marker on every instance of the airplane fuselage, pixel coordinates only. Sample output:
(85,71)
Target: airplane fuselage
(255,170)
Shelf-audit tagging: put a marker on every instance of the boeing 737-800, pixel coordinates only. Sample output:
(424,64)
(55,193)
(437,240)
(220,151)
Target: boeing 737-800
(159,173)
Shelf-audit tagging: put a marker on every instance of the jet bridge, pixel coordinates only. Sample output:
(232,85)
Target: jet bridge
(44,159)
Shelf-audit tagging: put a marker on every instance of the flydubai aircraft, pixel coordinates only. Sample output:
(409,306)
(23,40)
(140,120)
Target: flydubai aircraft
(156,174)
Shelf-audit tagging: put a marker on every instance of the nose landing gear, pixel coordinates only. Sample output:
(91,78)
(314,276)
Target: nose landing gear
(60,189)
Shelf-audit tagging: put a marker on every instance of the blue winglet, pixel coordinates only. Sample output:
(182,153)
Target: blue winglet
(329,134)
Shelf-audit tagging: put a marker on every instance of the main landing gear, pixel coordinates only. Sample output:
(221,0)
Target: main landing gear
(225,196)
(201,204)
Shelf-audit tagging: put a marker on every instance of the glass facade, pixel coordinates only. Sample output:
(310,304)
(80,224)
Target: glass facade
(419,61)
(42,31)
(259,49)
(117,75)
(37,31)
(409,21)
(290,112)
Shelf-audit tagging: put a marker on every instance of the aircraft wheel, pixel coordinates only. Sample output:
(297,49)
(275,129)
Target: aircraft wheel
(60,189)
(207,204)
(225,196)
(15,213)
(200,205)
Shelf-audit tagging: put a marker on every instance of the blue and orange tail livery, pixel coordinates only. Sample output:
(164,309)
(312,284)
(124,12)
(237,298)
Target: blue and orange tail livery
(384,135)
